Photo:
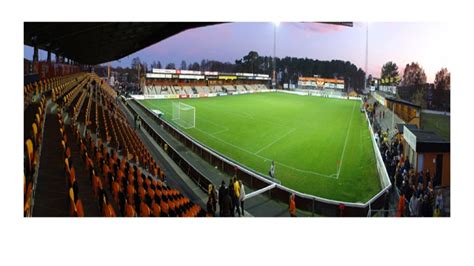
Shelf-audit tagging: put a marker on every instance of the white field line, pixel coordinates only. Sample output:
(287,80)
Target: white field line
(345,143)
(265,158)
(220,131)
(224,129)
(275,141)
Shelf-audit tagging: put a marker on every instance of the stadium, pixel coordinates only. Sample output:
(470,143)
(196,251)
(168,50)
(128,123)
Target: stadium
(185,142)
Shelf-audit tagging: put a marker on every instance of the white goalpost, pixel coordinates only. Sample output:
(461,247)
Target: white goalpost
(184,115)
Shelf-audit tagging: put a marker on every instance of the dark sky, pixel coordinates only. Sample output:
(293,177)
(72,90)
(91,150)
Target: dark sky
(401,42)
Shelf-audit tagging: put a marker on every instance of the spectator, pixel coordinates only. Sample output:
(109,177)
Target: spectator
(210,208)
(413,205)
(377,140)
(440,202)
(437,212)
(425,206)
(236,198)
(242,196)
(428,176)
(230,191)
(227,210)
(292,207)
(212,193)
(401,206)
(341,209)
(222,195)
(420,178)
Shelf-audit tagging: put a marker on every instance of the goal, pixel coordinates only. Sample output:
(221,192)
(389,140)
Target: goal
(184,115)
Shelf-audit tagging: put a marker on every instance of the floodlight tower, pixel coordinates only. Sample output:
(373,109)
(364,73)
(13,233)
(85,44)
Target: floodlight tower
(366,54)
(275,26)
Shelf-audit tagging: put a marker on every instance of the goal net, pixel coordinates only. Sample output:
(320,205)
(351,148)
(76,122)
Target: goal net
(184,115)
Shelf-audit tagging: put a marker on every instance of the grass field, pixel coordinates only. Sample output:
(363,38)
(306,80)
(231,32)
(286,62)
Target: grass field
(437,123)
(321,146)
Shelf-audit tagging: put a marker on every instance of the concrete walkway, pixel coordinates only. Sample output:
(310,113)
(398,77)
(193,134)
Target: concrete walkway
(389,120)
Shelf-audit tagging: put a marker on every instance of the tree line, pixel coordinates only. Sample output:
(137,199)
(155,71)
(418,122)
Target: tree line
(412,84)
(288,69)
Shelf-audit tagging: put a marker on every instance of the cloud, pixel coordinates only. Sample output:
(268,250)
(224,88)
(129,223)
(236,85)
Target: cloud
(318,27)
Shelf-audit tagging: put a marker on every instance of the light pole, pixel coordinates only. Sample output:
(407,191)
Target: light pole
(366,54)
(275,26)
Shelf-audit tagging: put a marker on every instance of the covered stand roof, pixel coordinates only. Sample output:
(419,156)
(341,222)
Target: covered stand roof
(99,42)
(393,99)
(425,141)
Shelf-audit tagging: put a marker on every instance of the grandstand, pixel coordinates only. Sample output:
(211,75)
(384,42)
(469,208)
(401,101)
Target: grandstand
(81,145)
(186,83)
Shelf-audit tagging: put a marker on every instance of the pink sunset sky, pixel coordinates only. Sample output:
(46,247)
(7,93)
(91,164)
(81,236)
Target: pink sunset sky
(401,42)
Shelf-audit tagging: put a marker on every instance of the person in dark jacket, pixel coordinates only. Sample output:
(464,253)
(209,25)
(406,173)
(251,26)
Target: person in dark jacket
(222,194)
(210,207)
(230,191)
(425,206)
(228,205)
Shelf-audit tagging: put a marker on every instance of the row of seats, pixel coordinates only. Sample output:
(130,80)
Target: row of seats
(35,102)
(78,106)
(143,162)
(62,88)
(70,96)
(132,190)
(134,155)
(120,135)
(44,86)
(75,203)
(124,177)
(36,95)
(87,145)
(34,123)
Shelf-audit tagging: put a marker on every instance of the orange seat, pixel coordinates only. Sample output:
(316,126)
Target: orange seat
(80,208)
(141,193)
(109,211)
(156,209)
(72,204)
(151,192)
(144,210)
(129,211)
(164,207)
(29,148)
(95,184)
(72,175)
(158,192)
(115,191)
(34,128)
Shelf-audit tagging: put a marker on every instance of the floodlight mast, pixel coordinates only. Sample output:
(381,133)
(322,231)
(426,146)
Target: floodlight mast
(275,26)
(366,54)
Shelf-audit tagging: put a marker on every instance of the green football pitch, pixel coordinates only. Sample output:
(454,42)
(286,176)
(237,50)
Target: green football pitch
(320,146)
